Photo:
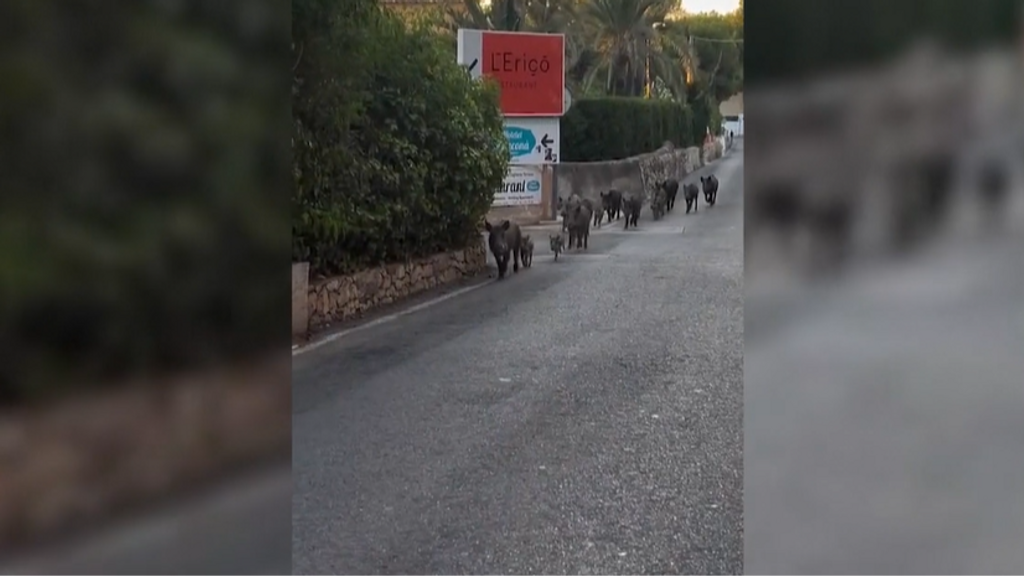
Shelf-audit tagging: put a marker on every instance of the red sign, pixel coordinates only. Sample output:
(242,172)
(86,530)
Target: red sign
(530,69)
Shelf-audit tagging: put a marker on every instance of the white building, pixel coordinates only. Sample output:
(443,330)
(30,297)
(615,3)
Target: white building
(732,114)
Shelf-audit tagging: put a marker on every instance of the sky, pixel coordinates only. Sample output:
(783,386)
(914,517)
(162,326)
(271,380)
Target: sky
(720,6)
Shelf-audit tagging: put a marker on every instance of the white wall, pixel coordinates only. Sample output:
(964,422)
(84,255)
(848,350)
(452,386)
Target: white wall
(736,126)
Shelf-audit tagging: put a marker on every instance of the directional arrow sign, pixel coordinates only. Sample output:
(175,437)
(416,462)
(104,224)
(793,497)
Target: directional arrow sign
(533,141)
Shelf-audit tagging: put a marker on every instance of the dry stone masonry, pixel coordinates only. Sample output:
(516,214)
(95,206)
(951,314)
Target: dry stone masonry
(343,297)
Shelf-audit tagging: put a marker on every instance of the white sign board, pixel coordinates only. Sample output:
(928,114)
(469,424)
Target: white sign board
(533,140)
(470,50)
(522,187)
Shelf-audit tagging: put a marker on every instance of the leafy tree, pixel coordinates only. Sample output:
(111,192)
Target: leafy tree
(716,40)
(629,39)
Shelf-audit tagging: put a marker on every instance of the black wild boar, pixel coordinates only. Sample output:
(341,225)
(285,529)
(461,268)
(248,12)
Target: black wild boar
(671,188)
(611,203)
(567,207)
(527,253)
(631,206)
(593,211)
(557,244)
(506,242)
(690,193)
(563,211)
(710,185)
(579,225)
(658,200)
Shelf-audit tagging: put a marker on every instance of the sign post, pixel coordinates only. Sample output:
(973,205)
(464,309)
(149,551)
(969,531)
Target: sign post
(529,68)
(533,141)
(530,71)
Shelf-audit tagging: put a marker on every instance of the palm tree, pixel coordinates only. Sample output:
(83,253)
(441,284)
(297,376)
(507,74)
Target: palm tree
(634,48)
(553,16)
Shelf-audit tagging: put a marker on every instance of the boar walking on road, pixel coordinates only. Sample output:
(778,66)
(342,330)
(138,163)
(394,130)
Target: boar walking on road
(579,226)
(658,200)
(690,193)
(563,211)
(506,242)
(594,211)
(671,188)
(631,206)
(611,204)
(527,254)
(557,244)
(567,207)
(710,184)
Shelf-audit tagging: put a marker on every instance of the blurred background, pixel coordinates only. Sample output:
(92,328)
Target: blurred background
(884,360)
(144,244)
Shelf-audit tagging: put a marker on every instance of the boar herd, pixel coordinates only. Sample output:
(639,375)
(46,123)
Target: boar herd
(508,244)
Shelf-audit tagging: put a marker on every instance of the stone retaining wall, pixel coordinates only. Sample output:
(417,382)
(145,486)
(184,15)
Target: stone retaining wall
(87,457)
(634,175)
(342,297)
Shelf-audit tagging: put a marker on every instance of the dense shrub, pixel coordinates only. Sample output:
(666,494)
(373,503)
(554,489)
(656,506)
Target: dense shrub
(142,226)
(612,128)
(397,151)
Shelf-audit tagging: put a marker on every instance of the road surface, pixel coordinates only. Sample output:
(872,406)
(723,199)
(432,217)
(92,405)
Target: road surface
(583,416)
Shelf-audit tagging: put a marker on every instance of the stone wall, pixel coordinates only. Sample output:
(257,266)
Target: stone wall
(300,298)
(343,297)
(630,175)
(526,215)
(88,457)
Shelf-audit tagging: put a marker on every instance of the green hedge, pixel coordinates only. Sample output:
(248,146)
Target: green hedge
(397,151)
(142,225)
(598,129)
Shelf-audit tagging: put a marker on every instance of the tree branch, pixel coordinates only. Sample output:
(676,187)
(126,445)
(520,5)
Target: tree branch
(711,77)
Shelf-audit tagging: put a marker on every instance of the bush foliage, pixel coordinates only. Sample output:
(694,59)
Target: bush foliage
(397,151)
(599,129)
(142,227)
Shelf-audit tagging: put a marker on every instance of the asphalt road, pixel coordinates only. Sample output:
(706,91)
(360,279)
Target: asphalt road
(885,417)
(584,416)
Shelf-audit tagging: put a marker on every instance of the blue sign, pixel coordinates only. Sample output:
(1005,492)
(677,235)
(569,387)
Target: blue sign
(521,141)
(533,186)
